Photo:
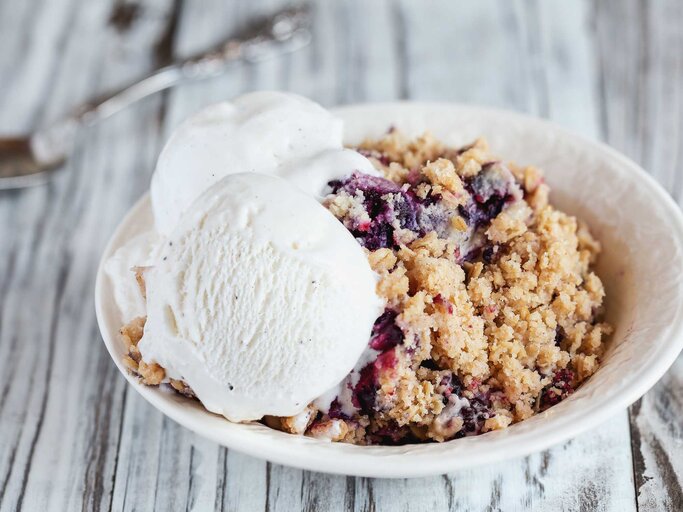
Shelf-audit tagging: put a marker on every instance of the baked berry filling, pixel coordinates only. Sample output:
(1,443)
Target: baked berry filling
(387,205)
(493,311)
(490,191)
(560,388)
(457,237)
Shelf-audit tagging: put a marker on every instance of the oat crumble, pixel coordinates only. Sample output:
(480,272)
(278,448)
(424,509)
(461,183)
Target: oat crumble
(493,311)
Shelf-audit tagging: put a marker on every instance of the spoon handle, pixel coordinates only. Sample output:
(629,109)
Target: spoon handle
(281,33)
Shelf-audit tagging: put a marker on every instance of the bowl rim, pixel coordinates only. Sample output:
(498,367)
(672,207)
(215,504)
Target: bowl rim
(312,454)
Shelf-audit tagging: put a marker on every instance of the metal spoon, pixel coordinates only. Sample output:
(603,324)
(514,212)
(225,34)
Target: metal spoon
(31,159)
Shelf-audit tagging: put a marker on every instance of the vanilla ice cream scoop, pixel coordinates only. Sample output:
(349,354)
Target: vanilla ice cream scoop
(267,132)
(260,300)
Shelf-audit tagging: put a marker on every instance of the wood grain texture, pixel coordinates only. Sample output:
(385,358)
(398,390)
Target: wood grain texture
(74,437)
(62,402)
(642,114)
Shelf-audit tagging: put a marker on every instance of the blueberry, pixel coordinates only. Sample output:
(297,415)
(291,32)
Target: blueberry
(475,415)
(430,364)
(391,434)
(336,412)
(560,388)
(473,410)
(450,384)
(406,211)
(385,333)
(490,191)
(489,253)
(388,206)
(560,335)
(365,391)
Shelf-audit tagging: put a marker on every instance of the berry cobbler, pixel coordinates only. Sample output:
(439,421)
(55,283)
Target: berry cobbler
(493,311)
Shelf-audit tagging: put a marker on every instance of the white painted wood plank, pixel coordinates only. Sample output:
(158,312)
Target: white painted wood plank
(238,481)
(560,38)
(642,89)
(163,466)
(62,398)
(657,433)
(188,471)
(465,51)
(642,84)
(541,68)
(601,464)
(586,473)
(202,25)
(241,475)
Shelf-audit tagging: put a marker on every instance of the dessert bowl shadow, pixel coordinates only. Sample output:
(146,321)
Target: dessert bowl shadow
(641,231)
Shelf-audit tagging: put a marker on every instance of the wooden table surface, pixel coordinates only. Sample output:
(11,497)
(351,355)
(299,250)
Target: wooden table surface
(74,436)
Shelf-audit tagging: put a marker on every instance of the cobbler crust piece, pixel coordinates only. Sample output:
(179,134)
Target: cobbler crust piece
(493,310)
(492,307)
(150,374)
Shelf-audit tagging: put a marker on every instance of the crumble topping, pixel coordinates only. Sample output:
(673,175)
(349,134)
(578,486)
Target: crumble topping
(150,374)
(493,310)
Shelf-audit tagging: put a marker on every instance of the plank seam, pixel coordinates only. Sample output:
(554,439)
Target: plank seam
(61,286)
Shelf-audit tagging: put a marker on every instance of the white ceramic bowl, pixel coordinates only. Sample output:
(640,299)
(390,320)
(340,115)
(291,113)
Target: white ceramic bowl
(640,227)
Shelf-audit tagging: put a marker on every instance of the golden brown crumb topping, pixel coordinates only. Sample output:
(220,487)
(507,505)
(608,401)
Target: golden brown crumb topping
(492,307)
